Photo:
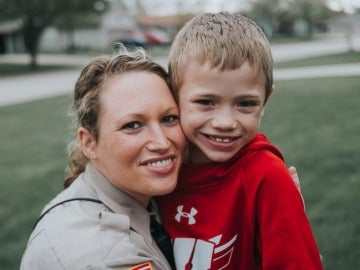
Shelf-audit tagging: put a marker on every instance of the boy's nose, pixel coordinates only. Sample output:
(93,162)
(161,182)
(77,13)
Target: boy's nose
(224,120)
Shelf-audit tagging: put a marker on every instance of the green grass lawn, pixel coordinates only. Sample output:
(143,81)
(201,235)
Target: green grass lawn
(9,69)
(315,123)
(32,163)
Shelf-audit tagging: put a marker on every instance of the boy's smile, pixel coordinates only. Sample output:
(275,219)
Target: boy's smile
(220,110)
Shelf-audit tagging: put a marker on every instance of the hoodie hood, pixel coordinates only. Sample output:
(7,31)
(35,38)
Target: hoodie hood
(197,176)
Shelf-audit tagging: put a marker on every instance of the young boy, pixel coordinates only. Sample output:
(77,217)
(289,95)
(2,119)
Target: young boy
(236,206)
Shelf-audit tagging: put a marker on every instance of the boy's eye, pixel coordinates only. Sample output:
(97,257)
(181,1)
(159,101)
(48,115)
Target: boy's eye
(132,126)
(205,102)
(169,119)
(247,103)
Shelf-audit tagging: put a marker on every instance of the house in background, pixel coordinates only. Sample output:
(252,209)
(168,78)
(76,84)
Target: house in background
(343,23)
(135,25)
(10,37)
(346,26)
(118,24)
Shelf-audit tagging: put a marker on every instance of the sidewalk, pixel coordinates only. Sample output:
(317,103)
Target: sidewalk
(25,88)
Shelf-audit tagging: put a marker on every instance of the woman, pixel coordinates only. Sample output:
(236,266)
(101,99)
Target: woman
(132,147)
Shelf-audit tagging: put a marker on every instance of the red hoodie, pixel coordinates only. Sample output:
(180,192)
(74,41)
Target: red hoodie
(245,213)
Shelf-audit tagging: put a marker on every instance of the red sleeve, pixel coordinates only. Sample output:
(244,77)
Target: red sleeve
(285,239)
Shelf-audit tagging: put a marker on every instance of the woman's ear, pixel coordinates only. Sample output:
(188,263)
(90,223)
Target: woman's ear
(87,143)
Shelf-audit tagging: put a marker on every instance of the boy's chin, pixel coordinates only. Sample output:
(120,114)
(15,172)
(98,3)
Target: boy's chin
(220,158)
(202,156)
(212,156)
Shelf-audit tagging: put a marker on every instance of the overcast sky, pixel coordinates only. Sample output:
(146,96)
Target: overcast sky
(167,7)
(347,5)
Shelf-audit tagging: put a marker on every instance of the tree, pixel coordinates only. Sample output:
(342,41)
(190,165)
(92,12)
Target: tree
(265,13)
(282,14)
(310,11)
(36,15)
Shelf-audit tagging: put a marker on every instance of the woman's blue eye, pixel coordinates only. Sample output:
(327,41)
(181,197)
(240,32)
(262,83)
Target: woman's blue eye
(132,126)
(170,118)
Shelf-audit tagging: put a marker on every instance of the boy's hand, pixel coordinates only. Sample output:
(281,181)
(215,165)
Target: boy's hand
(295,177)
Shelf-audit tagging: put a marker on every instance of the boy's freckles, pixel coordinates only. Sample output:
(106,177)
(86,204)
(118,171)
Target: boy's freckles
(220,110)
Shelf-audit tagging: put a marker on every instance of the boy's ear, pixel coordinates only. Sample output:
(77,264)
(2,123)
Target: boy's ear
(87,143)
(270,92)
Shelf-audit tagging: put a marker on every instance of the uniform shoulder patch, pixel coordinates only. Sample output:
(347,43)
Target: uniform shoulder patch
(142,266)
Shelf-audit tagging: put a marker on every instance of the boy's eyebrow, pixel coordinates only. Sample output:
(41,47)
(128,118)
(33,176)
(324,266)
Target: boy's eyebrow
(249,96)
(207,95)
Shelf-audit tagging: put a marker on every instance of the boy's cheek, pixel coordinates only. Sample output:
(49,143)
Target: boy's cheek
(186,123)
(190,122)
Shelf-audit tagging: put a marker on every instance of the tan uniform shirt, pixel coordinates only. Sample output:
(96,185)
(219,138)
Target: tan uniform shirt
(88,235)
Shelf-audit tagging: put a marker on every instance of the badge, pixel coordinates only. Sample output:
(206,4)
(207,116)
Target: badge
(142,266)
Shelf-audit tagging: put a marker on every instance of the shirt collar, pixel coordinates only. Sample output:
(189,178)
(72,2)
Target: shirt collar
(117,200)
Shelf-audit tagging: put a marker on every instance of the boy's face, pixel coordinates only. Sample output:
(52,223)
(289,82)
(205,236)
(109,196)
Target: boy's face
(220,112)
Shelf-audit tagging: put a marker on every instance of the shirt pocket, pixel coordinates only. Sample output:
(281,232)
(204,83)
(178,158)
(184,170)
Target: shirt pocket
(115,236)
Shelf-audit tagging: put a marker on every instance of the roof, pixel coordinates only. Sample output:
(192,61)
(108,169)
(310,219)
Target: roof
(9,27)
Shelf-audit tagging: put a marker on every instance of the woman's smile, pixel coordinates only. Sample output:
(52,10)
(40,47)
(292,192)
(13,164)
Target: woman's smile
(160,165)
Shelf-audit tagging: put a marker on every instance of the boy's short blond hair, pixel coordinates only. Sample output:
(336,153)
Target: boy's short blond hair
(223,41)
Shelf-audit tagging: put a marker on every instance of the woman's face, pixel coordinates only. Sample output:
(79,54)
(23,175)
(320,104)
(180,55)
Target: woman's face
(140,145)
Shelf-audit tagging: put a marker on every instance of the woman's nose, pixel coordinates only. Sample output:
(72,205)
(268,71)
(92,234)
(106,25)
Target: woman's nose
(158,140)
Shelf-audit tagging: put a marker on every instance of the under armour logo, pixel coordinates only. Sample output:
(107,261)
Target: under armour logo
(189,216)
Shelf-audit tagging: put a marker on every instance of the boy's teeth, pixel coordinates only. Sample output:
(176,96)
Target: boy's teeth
(225,140)
(160,164)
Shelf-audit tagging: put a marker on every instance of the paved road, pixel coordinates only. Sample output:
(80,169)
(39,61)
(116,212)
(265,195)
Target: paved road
(30,87)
